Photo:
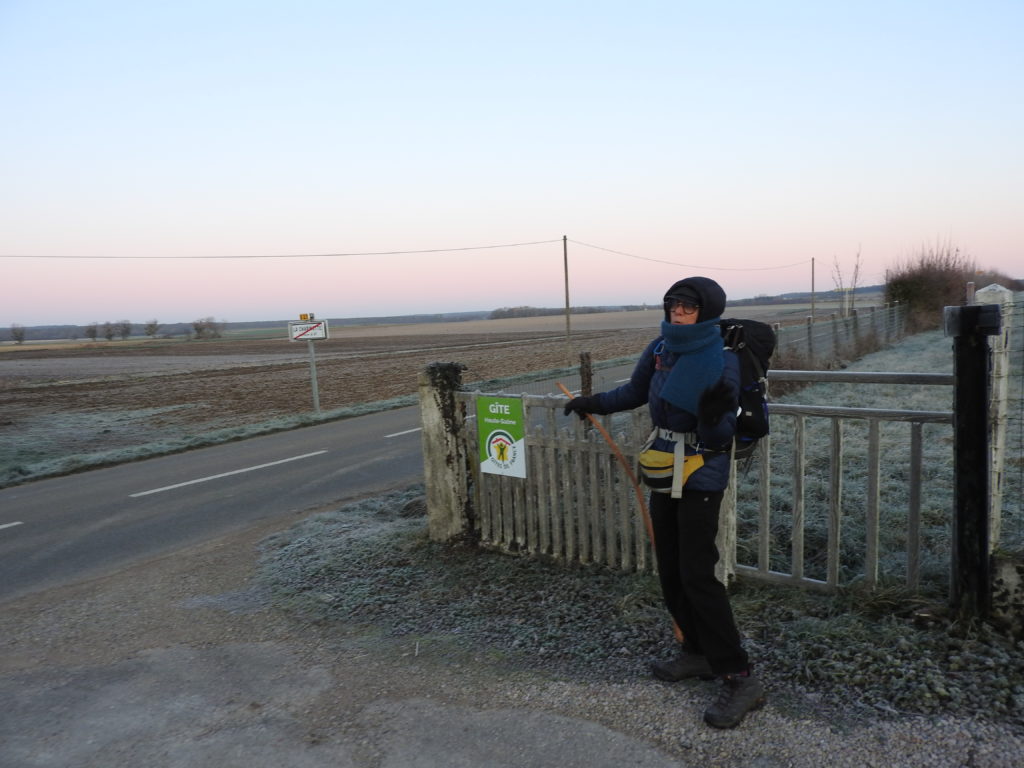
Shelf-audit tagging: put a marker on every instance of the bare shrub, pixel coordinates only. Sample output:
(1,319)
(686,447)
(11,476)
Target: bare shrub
(206,328)
(937,277)
(847,292)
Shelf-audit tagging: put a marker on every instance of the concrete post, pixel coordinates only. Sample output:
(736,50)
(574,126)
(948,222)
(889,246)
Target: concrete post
(445,464)
(725,541)
(1000,394)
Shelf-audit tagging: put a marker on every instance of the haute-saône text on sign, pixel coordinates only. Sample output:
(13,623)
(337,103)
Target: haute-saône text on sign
(502,436)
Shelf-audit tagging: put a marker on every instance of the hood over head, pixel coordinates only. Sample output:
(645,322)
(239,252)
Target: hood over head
(699,290)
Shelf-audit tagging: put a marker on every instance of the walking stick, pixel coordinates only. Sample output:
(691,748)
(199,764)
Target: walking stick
(636,487)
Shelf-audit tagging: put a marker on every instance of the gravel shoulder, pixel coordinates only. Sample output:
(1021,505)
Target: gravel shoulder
(184,661)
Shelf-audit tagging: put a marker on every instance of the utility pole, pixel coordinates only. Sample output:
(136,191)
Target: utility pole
(812,289)
(565,266)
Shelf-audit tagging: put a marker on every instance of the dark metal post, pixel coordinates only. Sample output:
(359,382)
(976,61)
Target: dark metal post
(971,577)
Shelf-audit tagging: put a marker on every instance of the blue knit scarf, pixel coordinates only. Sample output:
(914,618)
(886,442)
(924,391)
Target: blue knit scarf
(699,365)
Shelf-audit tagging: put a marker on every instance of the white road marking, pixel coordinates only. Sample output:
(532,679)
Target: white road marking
(10,525)
(225,474)
(417,429)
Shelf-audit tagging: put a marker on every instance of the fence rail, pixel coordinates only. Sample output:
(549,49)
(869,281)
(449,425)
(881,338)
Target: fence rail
(831,507)
(578,505)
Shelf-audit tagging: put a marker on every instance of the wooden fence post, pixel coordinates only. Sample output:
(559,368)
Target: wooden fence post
(586,374)
(810,340)
(445,465)
(971,577)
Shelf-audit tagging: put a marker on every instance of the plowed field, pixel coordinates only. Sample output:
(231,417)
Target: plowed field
(62,399)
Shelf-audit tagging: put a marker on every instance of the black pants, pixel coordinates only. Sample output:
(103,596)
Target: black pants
(684,535)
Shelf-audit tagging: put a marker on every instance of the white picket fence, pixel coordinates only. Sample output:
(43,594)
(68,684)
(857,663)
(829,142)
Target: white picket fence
(577,502)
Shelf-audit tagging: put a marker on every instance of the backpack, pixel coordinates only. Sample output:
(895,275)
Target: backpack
(753,342)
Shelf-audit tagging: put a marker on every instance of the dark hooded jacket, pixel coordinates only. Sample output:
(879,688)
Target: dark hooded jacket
(649,376)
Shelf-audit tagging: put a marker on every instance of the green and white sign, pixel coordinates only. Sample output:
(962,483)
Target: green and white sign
(502,435)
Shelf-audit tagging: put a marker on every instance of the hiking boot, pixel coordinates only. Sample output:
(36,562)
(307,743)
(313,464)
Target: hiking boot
(683,666)
(739,694)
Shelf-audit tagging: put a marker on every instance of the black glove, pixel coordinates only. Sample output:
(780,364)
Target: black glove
(583,405)
(715,401)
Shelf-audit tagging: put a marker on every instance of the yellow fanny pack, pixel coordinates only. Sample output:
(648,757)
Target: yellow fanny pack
(668,471)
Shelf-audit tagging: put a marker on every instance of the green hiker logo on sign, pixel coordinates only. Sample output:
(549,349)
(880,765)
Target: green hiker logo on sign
(502,436)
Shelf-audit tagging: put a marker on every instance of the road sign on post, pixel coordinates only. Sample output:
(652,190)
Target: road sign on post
(309,331)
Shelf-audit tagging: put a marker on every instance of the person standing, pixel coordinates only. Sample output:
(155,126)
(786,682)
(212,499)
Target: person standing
(690,384)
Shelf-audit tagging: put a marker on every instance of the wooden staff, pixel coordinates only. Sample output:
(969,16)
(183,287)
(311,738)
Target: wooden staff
(636,486)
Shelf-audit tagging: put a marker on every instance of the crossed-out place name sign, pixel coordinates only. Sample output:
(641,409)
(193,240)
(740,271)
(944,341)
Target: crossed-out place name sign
(307,331)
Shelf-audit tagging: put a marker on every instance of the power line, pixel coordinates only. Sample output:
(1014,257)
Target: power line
(396,253)
(691,266)
(284,255)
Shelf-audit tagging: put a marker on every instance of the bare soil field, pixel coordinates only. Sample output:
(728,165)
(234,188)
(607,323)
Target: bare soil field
(66,398)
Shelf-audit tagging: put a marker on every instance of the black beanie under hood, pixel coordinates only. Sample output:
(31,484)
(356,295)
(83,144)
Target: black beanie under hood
(700,290)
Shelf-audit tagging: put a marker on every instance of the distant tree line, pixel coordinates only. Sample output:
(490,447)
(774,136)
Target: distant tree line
(108,330)
(507,312)
(201,328)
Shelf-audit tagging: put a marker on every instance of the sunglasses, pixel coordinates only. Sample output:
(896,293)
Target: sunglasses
(687,306)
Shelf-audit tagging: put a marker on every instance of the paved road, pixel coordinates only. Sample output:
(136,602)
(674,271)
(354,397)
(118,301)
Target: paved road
(57,531)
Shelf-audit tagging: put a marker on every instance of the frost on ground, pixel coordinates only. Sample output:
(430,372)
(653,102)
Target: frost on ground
(861,654)
(369,566)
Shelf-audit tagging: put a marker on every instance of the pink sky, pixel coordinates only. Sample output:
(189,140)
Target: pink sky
(731,141)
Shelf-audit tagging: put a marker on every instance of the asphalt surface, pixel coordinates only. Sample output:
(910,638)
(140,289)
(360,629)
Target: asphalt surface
(130,633)
(178,661)
(55,531)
